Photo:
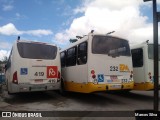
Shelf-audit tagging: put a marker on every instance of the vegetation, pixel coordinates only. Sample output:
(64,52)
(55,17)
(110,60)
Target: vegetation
(2,63)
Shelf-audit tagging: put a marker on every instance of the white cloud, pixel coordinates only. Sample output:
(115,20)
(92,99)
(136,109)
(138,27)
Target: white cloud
(5,45)
(7,7)
(10,29)
(79,10)
(18,15)
(39,32)
(114,4)
(122,16)
(62,38)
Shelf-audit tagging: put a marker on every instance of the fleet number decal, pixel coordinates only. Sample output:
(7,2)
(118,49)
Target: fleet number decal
(121,68)
(113,68)
(39,74)
(52,81)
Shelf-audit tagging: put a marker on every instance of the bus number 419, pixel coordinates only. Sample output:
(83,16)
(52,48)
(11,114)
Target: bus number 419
(52,81)
(39,74)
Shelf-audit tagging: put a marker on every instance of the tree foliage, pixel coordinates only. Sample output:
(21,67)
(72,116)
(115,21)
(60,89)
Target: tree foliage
(2,63)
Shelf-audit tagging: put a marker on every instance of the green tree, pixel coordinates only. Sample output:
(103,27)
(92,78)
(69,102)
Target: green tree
(2,63)
(5,59)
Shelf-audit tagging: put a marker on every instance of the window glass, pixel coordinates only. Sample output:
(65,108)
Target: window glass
(150,51)
(71,57)
(82,53)
(137,57)
(110,45)
(36,51)
(63,59)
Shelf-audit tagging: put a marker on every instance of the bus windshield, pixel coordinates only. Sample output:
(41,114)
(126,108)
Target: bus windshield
(110,45)
(36,51)
(150,51)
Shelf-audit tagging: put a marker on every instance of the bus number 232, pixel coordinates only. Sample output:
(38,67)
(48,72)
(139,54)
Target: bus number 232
(113,68)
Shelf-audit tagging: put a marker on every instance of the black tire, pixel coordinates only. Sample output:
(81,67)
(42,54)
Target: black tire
(11,93)
(1,89)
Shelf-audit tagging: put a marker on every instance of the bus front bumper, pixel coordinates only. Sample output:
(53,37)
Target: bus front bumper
(34,87)
(144,86)
(91,87)
(128,86)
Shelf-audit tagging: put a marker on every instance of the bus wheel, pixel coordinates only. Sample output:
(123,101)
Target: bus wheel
(10,93)
(125,91)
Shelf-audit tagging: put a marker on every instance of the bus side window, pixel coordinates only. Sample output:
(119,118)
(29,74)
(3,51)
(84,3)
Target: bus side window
(8,65)
(71,56)
(137,57)
(82,53)
(63,59)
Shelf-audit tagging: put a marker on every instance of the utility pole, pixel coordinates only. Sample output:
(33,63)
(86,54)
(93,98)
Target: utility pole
(156,19)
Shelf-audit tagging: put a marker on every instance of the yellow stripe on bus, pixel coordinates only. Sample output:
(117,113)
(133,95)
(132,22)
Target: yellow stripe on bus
(144,86)
(128,86)
(91,87)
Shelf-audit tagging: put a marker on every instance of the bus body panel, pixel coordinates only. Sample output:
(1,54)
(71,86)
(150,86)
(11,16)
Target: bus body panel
(32,74)
(143,76)
(75,79)
(115,75)
(139,73)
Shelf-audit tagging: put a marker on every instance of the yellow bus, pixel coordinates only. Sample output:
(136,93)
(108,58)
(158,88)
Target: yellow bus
(142,57)
(97,62)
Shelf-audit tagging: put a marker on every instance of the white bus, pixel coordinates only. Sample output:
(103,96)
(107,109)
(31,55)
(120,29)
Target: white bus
(33,66)
(97,63)
(142,57)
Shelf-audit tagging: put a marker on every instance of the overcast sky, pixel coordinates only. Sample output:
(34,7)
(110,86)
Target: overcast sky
(56,21)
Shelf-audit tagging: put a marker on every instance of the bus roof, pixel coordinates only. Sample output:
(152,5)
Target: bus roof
(85,38)
(30,41)
(140,45)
